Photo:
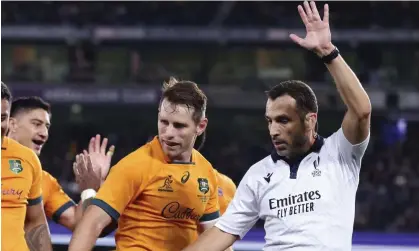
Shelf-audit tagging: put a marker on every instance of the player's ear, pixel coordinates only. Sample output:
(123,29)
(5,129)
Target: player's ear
(12,124)
(202,125)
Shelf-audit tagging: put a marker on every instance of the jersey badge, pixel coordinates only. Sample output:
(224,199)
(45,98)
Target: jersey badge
(203,185)
(15,166)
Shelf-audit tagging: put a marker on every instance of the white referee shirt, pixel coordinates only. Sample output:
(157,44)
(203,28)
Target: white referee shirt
(308,205)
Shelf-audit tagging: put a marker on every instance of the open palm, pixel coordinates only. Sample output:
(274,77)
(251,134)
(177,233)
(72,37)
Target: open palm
(318,36)
(101,159)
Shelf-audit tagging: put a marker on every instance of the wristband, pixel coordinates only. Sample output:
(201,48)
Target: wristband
(87,194)
(328,58)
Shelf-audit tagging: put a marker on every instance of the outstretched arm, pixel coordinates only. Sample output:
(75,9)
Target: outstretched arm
(89,228)
(213,240)
(356,122)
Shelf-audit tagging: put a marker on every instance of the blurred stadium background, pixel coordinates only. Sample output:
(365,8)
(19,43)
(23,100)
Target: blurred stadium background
(101,65)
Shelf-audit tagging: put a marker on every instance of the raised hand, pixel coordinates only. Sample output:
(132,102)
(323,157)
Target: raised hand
(98,155)
(87,177)
(318,36)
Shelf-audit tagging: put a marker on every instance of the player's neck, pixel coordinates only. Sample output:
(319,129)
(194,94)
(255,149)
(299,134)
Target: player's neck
(184,157)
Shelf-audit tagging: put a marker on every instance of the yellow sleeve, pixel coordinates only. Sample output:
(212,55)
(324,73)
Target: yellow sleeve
(56,201)
(212,209)
(226,191)
(124,183)
(35,192)
(230,188)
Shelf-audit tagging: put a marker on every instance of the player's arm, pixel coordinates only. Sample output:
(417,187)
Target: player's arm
(356,122)
(94,220)
(213,240)
(239,218)
(104,210)
(58,205)
(36,227)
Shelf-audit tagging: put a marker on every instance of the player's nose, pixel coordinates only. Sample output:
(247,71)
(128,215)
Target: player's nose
(43,133)
(170,131)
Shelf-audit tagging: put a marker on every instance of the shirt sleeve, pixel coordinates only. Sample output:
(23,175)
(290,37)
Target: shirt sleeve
(35,192)
(123,184)
(57,200)
(212,209)
(348,155)
(242,213)
(226,191)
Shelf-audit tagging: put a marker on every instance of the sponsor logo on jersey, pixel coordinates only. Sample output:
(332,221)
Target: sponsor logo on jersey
(295,203)
(174,210)
(185,177)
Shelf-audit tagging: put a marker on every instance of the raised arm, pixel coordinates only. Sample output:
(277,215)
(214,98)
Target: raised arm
(356,122)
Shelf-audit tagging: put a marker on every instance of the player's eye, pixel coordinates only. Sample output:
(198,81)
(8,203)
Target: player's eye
(179,126)
(164,122)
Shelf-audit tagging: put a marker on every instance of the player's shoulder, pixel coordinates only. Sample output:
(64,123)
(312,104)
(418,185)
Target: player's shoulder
(46,176)
(16,149)
(200,159)
(224,180)
(203,163)
(139,155)
(136,162)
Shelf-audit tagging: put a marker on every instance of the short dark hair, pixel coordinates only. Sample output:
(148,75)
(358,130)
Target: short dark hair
(29,103)
(185,93)
(302,93)
(5,92)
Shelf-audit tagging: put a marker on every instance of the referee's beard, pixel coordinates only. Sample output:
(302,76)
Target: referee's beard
(298,145)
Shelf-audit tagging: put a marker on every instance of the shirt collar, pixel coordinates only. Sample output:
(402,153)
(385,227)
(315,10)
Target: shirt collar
(317,145)
(5,143)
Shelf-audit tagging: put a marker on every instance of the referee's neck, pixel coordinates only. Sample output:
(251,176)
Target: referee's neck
(304,149)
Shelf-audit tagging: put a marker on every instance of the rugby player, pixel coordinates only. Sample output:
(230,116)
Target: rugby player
(23,222)
(305,190)
(29,125)
(162,194)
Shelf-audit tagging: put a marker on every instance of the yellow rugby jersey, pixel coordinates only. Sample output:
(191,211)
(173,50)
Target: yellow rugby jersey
(56,201)
(21,181)
(226,191)
(158,204)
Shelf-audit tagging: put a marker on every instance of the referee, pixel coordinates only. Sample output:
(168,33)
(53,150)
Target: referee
(305,190)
